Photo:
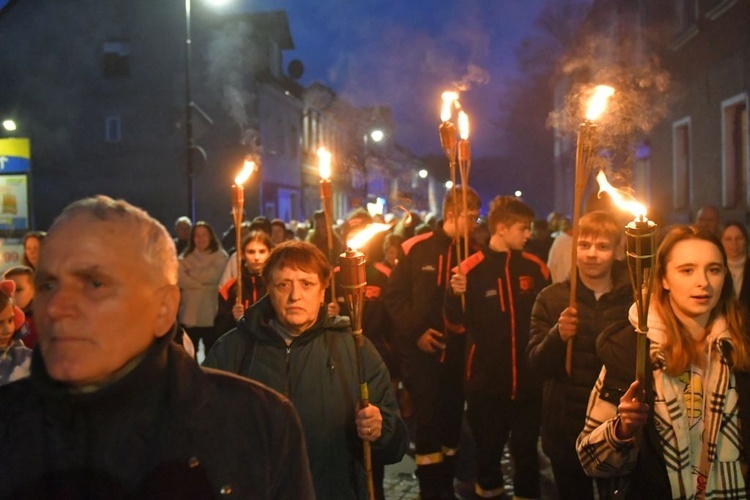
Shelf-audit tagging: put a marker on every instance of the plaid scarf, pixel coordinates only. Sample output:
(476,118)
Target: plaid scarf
(719,472)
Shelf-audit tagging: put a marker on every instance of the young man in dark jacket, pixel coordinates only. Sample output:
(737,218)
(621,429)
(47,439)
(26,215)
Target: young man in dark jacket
(603,297)
(432,356)
(503,397)
(112,409)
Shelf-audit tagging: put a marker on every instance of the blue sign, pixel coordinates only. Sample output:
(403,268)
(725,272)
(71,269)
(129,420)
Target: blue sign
(15,156)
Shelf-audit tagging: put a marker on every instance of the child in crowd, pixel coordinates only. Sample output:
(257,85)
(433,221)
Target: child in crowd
(15,358)
(23,277)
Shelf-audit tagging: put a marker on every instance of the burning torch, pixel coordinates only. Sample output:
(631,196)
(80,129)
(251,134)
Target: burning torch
(585,147)
(238,202)
(464,166)
(326,199)
(354,281)
(640,249)
(450,146)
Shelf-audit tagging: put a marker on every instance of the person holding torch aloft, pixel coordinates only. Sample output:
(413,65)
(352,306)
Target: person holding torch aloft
(500,283)
(603,298)
(683,432)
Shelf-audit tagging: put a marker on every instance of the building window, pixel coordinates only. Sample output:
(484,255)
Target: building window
(115,59)
(112,129)
(734,156)
(686,14)
(681,163)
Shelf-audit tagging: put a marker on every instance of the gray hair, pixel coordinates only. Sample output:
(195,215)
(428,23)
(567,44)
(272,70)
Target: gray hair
(158,247)
(183,220)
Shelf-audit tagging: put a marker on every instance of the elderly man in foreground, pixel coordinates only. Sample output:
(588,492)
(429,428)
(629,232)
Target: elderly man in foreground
(112,408)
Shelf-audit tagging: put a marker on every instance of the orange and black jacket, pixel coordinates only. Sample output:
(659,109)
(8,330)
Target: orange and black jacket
(418,284)
(501,289)
(253,288)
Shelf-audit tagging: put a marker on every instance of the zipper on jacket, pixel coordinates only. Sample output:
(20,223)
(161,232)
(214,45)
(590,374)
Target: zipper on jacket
(288,356)
(440,270)
(513,357)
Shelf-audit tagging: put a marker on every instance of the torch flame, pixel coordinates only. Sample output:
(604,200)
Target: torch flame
(598,101)
(324,163)
(623,200)
(463,125)
(247,169)
(362,237)
(448,98)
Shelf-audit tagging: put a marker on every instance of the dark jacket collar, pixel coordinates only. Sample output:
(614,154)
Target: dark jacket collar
(144,377)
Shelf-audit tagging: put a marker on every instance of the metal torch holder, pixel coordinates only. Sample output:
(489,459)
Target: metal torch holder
(238,201)
(354,281)
(641,256)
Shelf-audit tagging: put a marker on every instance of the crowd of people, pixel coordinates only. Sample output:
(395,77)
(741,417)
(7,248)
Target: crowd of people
(104,327)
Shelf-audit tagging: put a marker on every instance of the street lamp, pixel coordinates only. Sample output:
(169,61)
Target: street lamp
(189,167)
(9,125)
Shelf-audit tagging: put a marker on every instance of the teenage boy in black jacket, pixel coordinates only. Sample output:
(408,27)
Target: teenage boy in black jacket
(500,284)
(603,296)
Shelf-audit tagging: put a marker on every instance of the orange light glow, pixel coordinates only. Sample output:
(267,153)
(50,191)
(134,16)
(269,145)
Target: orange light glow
(362,237)
(247,169)
(623,200)
(324,163)
(449,98)
(598,101)
(463,125)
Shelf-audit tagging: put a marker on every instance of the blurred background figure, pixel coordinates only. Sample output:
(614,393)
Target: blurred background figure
(734,240)
(23,277)
(708,218)
(182,227)
(278,231)
(541,239)
(31,243)
(200,269)
(392,250)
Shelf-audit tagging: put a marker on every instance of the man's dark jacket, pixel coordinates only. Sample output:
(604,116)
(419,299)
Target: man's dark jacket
(167,429)
(318,372)
(416,288)
(565,398)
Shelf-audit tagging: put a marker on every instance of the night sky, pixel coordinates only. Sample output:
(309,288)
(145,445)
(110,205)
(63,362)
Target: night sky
(404,54)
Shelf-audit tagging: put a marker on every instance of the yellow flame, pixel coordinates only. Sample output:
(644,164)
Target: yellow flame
(324,163)
(247,169)
(463,125)
(623,200)
(448,98)
(362,237)
(598,101)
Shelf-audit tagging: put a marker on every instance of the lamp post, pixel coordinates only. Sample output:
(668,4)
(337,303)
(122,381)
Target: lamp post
(189,167)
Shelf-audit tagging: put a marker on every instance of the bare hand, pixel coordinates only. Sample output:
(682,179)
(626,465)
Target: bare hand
(567,324)
(333,309)
(369,423)
(633,412)
(238,311)
(458,283)
(431,341)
